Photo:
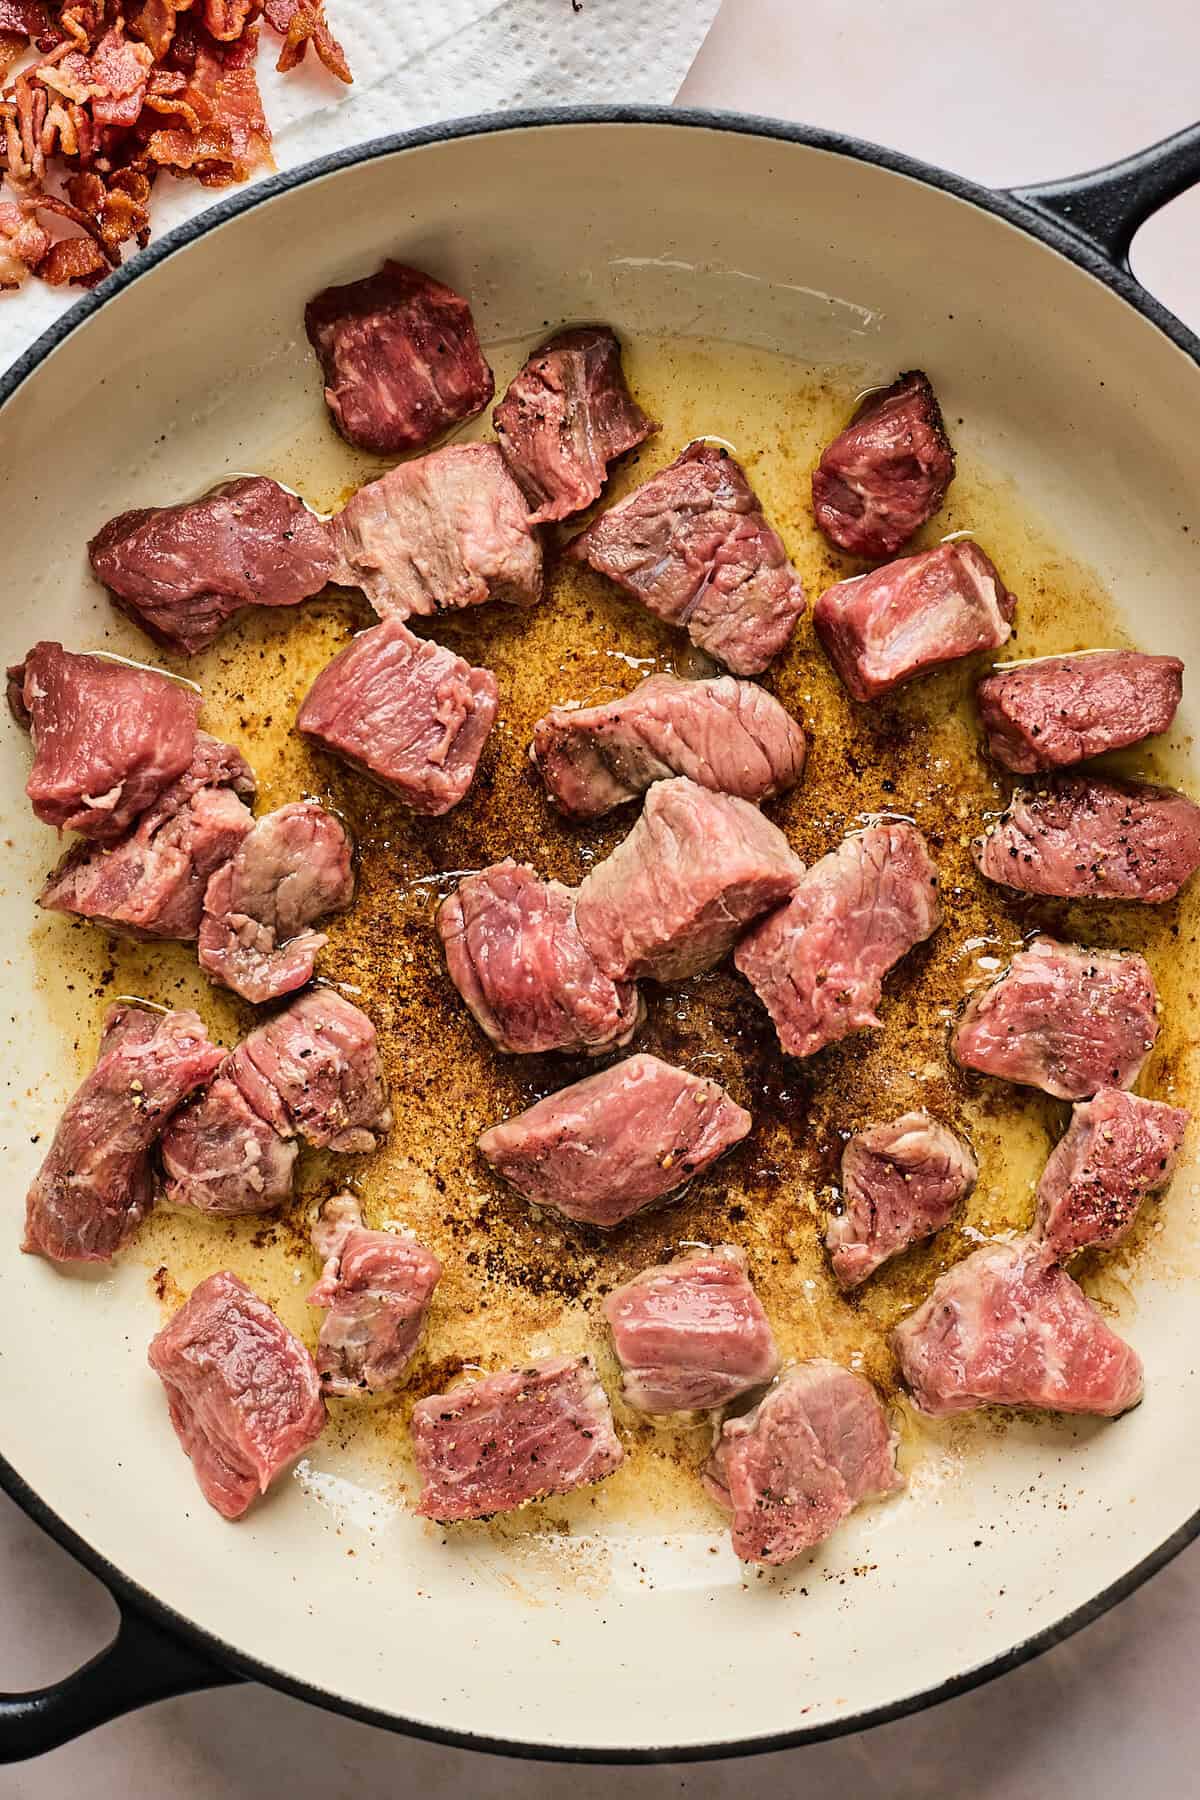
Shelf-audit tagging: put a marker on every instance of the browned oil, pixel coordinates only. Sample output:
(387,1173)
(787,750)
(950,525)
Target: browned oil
(516,1284)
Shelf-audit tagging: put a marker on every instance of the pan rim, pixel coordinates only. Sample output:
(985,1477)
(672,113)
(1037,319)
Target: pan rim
(1033,223)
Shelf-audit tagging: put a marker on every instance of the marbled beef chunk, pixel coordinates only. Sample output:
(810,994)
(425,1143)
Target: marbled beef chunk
(108,737)
(901,1182)
(220,1157)
(242,1391)
(691,1335)
(1061,710)
(400,358)
(96,1185)
(1086,839)
(565,418)
(313,1070)
(1118,1150)
(521,1435)
(376,1287)
(887,472)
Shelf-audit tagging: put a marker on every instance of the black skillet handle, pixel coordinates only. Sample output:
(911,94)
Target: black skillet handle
(143,1663)
(1105,207)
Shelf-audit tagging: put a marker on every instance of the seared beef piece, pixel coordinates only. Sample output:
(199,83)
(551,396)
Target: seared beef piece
(514,953)
(1060,710)
(400,358)
(818,963)
(496,1444)
(1008,1327)
(95,1185)
(377,1287)
(1117,1150)
(727,735)
(182,572)
(1085,839)
(691,1336)
(290,871)
(151,883)
(242,1391)
(407,712)
(884,628)
(220,1157)
(674,895)
(565,417)
(901,1182)
(608,1146)
(108,737)
(446,531)
(1063,1019)
(887,473)
(799,1463)
(694,547)
(314,1070)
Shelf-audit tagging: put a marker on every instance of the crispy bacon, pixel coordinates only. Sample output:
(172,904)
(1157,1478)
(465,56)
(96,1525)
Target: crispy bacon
(23,243)
(300,22)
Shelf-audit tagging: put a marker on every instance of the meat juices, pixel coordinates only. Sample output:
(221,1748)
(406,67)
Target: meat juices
(182,572)
(292,869)
(1086,839)
(730,736)
(1063,1019)
(673,897)
(887,473)
(95,1185)
(601,1150)
(690,1335)
(901,1182)
(514,952)
(376,1286)
(1061,710)
(448,530)
(400,359)
(565,418)
(1118,1150)
(694,547)
(406,712)
(818,963)
(242,1391)
(495,1444)
(221,1158)
(108,737)
(792,1469)
(1008,1327)
(911,616)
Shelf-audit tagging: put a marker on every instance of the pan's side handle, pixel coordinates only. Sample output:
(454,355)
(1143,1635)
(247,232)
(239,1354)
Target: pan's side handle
(143,1663)
(1106,206)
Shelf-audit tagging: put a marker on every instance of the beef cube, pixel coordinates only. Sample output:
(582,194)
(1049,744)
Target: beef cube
(313,1071)
(400,359)
(601,1150)
(514,952)
(152,882)
(446,531)
(691,1336)
(565,418)
(108,737)
(182,572)
(818,963)
(911,616)
(242,1391)
(220,1157)
(675,895)
(496,1444)
(693,546)
(1085,839)
(292,869)
(407,712)
(376,1287)
(727,735)
(901,1182)
(1060,710)
(1064,1019)
(887,473)
(799,1463)
(95,1185)
(1008,1327)
(1118,1149)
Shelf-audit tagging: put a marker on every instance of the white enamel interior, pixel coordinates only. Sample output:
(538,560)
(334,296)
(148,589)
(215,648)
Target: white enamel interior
(198,367)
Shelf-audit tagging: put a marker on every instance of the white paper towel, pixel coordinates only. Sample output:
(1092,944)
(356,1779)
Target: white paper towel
(417,61)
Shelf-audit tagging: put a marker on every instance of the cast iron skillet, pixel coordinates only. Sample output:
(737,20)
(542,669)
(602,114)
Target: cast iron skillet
(1091,219)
